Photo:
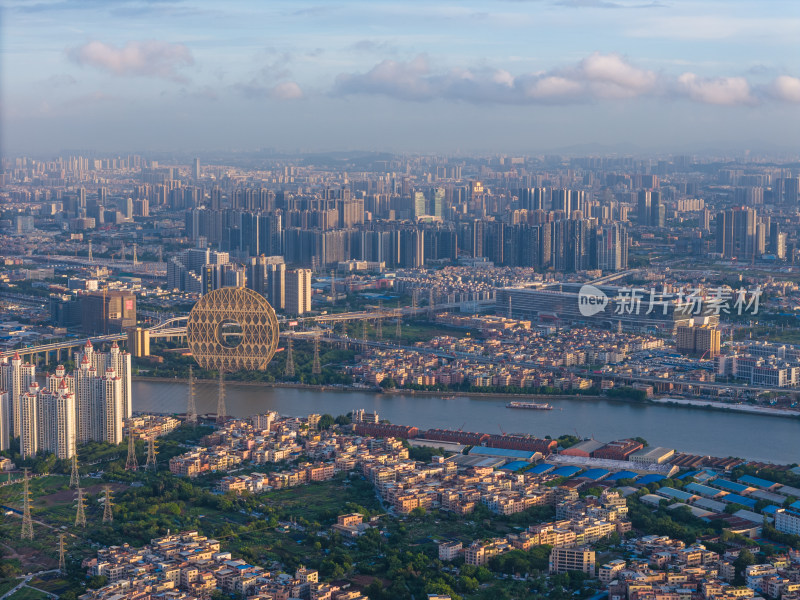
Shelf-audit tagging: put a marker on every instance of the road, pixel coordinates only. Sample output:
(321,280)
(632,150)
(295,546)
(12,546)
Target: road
(26,580)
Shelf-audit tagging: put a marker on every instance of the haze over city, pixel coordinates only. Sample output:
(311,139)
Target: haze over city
(505,76)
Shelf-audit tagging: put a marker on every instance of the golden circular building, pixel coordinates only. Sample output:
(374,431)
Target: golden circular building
(231,329)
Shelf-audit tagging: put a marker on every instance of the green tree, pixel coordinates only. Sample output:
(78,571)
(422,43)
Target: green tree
(744,560)
(326,421)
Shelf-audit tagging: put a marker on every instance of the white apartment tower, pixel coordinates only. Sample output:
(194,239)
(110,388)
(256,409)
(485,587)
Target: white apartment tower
(29,421)
(15,378)
(298,291)
(5,420)
(88,418)
(112,406)
(57,421)
(116,359)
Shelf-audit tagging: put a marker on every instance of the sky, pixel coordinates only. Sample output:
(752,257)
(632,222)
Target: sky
(502,76)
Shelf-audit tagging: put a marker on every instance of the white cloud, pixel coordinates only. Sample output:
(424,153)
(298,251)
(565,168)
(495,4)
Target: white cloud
(786,88)
(612,76)
(149,58)
(717,90)
(596,78)
(287,90)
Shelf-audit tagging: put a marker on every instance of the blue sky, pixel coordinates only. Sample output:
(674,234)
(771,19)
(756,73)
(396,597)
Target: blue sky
(503,76)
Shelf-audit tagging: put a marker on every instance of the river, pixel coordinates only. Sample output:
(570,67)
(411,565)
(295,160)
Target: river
(693,430)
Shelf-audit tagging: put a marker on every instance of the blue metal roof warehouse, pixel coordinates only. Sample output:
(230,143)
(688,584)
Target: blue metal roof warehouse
(673,493)
(515,465)
(704,490)
(756,482)
(517,454)
(740,500)
(731,486)
(541,469)
(622,475)
(595,474)
(567,471)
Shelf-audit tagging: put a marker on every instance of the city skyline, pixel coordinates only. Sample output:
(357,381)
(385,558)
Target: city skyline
(491,77)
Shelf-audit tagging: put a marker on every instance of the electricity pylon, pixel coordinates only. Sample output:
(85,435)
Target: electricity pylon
(191,409)
(108,515)
(289,369)
(131,464)
(398,333)
(62,554)
(74,478)
(379,322)
(364,336)
(151,453)
(80,515)
(221,408)
(316,368)
(27,522)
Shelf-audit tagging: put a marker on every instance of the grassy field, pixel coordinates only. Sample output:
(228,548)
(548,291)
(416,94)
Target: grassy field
(27,593)
(50,583)
(321,502)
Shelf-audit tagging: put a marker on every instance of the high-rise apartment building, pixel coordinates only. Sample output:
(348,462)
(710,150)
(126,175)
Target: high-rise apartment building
(612,247)
(101,362)
(5,420)
(267,276)
(50,419)
(736,233)
(29,422)
(57,420)
(15,379)
(438,202)
(298,291)
(419,205)
(108,312)
(699,340)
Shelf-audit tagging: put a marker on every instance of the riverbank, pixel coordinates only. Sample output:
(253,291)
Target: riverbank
(373,390)
(269,384)
(714,405)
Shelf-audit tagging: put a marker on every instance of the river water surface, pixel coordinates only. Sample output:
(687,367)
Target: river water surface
(699,431)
